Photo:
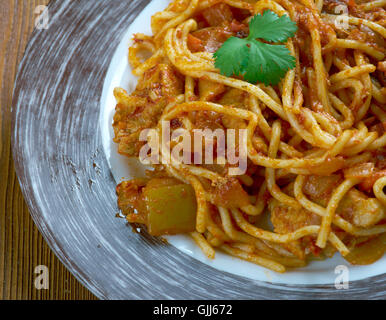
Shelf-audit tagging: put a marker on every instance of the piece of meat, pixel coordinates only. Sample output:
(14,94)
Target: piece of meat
(209,90)
(379,128)
(130,199)
(211,38)
(207,120)
(320,188)
(361,171)
(216,25)
(328,167)
(361,210)
(142,109)
(237,99)
(286,219)
(218,14)
(368,183)
(355,207)
(382,66)
(230,194)
(195,44)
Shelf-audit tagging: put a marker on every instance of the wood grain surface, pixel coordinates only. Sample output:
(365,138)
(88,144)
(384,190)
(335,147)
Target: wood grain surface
(22,248)
(68,185)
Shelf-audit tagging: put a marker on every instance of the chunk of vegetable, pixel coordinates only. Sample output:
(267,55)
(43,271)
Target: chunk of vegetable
(368,252)
(171,209)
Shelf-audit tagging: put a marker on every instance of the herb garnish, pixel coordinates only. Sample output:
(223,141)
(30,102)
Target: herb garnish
(255,60)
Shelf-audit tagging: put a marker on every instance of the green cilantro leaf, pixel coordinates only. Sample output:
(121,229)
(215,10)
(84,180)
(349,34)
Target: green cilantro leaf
(268,63)
(257,61)
(233,56)
(271,28)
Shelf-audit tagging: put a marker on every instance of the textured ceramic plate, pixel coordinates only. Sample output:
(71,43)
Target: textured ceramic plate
(63,155)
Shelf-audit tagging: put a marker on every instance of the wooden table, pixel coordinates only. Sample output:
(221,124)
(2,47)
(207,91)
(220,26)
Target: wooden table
(22,248)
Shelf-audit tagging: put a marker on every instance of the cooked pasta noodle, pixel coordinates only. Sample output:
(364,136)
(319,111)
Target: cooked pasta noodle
(316,142)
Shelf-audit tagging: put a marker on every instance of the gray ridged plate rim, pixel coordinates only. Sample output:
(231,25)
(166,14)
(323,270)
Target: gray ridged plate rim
(67,183)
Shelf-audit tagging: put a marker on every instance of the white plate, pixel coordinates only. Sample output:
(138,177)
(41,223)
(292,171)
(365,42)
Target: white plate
(119,75)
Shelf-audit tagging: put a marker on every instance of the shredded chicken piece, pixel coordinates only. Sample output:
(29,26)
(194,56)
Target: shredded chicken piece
(286,219)
(355,207)
(142,109)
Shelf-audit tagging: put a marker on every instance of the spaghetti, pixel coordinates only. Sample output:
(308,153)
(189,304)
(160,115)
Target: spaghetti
(316,142)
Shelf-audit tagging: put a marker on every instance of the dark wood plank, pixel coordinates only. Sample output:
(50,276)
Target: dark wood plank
(22,248)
